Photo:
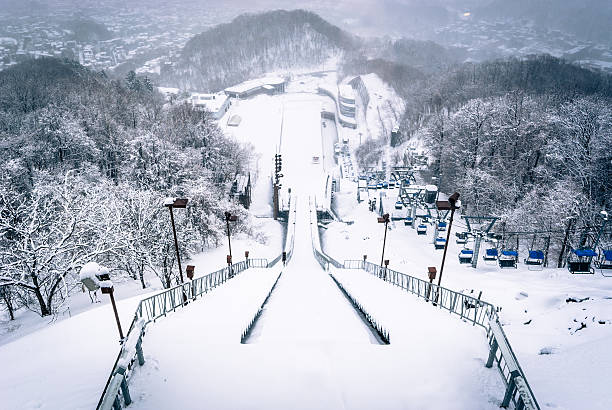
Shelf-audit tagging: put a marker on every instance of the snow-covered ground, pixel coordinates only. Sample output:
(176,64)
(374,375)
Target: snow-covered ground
(567,365)
(310,349)
(385,108)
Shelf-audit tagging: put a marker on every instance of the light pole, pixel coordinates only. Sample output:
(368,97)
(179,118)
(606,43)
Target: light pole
(229,218)
(384,220)
(451,205)
(176,203)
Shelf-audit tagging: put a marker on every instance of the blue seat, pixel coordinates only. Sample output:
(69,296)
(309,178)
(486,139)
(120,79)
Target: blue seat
(508,259)
(466,255)
(585,253)
(536,255)
(490,254)
(408,220)
(440,243)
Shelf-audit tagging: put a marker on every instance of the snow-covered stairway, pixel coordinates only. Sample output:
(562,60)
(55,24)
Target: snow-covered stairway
(306,305)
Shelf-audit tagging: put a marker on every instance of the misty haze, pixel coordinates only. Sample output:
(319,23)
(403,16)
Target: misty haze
(264,204)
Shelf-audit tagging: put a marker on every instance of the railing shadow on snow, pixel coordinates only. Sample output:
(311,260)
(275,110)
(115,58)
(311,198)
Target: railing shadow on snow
(151,309)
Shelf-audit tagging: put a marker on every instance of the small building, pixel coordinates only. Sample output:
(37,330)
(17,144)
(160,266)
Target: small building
(241,190)
(218,104)
(267,85)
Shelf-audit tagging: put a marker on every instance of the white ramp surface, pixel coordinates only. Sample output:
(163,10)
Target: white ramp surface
(306,305)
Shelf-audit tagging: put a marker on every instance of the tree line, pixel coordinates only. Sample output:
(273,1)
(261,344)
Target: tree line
(85,165)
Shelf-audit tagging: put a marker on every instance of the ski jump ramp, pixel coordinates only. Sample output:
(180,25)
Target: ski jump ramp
(303,152)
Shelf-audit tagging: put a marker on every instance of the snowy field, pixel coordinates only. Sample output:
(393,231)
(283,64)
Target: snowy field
(566,366)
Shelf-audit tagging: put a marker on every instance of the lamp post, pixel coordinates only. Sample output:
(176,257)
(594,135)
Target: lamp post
(176,203)
(229,218)
(384,220)
(451,205)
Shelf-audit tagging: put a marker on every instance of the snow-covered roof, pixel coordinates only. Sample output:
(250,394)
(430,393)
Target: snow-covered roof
(213,102)
(346,91)
(254,84)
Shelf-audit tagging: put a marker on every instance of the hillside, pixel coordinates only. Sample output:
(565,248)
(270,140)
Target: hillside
(253,44)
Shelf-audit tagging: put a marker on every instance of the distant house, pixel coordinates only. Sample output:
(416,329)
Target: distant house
(268,85)
(217,104)
(241,189)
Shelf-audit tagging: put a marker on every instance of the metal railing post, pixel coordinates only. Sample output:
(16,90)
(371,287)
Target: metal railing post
(510,389)
(492,354)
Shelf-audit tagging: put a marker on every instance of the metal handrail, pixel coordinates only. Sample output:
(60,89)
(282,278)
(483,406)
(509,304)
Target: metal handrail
(518,391)
(152,308)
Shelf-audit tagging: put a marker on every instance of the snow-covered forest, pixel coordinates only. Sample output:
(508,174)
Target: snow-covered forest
(526,139)
(86,163)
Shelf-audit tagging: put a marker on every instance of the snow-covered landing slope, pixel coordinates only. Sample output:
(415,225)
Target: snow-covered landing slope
(306,306)
(439,348)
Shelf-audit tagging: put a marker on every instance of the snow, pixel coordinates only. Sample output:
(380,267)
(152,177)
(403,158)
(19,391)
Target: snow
(384,110)
(91,270)
(253,84)
(66,362)
(309,348)
(564,363)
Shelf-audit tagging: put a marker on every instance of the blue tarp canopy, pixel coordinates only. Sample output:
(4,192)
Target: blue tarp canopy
(442,224)
(536,255)
(492,252)
(585,252)
(510,253)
